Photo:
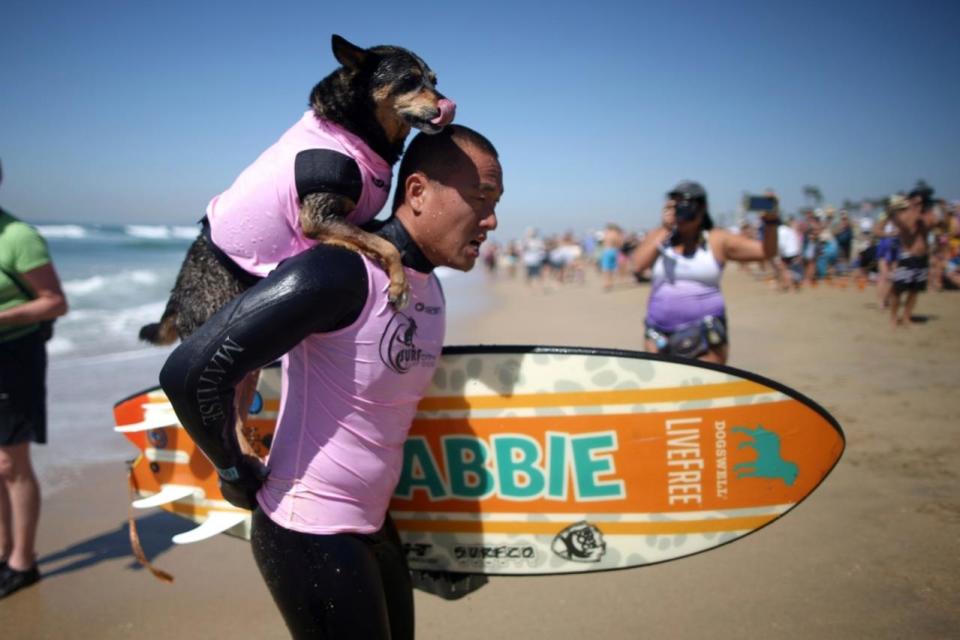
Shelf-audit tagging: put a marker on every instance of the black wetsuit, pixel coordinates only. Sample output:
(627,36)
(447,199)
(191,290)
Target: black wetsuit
(341,586)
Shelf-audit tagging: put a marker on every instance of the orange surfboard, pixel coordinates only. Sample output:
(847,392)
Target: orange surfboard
(543,460)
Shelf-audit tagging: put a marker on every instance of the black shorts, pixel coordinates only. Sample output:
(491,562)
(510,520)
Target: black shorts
(868,258)
(23,390)
(910,274)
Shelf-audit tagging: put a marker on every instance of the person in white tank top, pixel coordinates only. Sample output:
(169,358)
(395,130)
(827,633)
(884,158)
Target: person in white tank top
(687,255)
(701,267)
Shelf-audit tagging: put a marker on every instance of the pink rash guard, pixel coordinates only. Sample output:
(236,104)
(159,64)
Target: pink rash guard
(256,221)
(348,399)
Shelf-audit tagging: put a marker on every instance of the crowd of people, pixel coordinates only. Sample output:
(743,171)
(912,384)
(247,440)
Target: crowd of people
(906,245)
(911,244)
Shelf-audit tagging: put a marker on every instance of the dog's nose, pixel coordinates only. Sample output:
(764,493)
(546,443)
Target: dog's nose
(448,109)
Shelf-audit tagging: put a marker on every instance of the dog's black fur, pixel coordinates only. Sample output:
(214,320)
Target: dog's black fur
(378,94)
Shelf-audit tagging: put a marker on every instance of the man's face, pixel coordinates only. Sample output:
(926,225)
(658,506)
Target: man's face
(458,213)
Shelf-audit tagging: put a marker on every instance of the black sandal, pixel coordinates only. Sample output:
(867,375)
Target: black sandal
(12,580)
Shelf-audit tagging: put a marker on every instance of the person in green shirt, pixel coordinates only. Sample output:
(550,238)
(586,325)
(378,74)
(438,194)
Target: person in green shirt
(30,293)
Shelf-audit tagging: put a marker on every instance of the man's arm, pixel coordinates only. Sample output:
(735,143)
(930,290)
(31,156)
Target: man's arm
(322,289)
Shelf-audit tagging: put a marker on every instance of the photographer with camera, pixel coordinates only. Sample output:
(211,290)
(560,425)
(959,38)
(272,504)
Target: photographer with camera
(686,315)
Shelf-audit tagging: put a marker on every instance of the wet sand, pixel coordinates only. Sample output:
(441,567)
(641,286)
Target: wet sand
(874,553)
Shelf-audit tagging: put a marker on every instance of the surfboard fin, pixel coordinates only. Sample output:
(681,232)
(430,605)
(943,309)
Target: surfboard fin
(169,493)
(216,522)
(156,415)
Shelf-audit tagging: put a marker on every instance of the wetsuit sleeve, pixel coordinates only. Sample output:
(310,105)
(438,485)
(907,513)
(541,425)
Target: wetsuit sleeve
(327,171)
(320,290)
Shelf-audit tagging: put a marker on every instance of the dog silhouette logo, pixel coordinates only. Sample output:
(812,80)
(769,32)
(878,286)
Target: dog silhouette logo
(768,463)
(580,542)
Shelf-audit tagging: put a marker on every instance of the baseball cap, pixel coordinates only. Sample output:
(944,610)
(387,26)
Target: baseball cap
(688,189)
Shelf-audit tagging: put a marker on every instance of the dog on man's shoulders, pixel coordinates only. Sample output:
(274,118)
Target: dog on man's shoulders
(327,175)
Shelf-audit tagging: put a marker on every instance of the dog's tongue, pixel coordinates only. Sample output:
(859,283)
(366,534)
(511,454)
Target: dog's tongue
(448,109)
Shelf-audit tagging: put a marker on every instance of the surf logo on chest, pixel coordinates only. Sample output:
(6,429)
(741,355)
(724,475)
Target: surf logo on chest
(398,347)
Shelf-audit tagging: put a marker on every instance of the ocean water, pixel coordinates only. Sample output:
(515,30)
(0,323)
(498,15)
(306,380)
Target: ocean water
(118,278)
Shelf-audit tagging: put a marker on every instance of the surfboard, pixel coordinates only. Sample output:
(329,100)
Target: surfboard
(529,460)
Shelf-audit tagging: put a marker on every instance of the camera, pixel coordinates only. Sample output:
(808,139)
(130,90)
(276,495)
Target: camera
(686,210)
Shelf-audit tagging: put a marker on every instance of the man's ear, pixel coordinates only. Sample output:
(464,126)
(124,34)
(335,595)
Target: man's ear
(415,188)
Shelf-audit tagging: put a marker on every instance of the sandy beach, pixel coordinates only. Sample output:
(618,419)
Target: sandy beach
(874,553)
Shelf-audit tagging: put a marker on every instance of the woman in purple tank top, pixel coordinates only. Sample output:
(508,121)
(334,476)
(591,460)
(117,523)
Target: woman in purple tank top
(686,316)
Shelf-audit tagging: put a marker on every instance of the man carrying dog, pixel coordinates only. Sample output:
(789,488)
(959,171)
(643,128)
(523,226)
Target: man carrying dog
(354,370)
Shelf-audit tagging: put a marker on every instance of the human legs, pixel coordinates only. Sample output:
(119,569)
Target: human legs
(717,354)
(340,586)
(6,528)
(19,507)
(908,306)
(883,282)
(23,365)
(893,300)
(608,266)
(395,574)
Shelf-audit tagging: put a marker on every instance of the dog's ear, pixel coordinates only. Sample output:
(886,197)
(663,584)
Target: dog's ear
(348,54)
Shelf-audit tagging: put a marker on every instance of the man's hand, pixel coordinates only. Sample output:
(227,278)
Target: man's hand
(239,484)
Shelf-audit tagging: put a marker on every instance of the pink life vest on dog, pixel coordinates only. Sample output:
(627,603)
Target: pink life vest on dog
(256,221)
(348,398)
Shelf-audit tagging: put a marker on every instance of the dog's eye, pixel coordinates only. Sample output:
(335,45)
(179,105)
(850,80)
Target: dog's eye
(408,83)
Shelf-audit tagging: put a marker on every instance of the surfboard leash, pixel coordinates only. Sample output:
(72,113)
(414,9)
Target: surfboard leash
(135,545)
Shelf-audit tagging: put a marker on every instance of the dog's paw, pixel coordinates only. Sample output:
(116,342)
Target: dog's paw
(399,297)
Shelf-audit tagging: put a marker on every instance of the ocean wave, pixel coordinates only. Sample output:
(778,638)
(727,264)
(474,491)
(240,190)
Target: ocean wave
(122,281)
(148,231)
(87,332)
(59,345)
(128,321)
(185,233)
(62,231)
(141,276)
(84,287)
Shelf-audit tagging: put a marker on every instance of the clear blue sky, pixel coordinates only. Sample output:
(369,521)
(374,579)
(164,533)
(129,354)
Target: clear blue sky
(141,112)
